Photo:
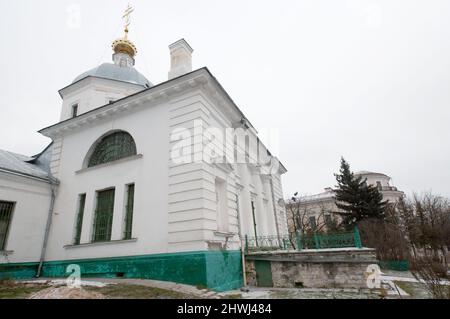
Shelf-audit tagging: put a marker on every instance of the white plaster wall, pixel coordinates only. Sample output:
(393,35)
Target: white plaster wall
(149,127)
(192,194)
(279,204)
(26,233)
(91,93)
(175,203)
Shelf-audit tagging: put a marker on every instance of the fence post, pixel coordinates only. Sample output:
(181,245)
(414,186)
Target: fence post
(317,240)
(284,244)
(357,237)
(298,237)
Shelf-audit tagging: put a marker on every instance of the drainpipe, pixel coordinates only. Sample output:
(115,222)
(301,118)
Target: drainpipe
(274,206)
(244,276)
(53,185)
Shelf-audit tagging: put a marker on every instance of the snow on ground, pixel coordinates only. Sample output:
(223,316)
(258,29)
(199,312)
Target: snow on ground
(63,282)
(64,292)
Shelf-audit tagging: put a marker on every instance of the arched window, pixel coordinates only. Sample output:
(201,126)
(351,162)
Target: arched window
(112,148)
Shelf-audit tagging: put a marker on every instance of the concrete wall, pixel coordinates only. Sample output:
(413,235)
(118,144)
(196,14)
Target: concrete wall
(314,269)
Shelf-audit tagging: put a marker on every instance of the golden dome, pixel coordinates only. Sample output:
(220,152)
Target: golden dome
(124,45)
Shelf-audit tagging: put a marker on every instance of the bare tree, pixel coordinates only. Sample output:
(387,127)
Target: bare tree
(386,236)
(426,220)
(299,214)
(432,272)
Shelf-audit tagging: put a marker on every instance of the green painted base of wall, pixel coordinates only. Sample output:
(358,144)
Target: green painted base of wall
(18,271)
(216,270)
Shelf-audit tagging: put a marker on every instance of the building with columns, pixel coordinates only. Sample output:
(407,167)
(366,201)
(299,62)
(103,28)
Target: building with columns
(319,209)
(141,180)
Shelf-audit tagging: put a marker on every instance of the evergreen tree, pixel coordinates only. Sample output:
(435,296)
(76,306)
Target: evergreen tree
(356,198)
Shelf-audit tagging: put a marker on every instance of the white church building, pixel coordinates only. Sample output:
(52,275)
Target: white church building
(141,181)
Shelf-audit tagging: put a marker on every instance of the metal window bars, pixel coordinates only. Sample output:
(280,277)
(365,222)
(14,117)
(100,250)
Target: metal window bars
(103,216)
(6,210)
(129,212)
(112,148)
(79,220)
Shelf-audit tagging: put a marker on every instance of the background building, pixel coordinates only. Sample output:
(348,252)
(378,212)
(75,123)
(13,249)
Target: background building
(317,210)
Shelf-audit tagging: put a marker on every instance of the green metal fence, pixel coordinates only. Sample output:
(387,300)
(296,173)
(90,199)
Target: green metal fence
(300,242)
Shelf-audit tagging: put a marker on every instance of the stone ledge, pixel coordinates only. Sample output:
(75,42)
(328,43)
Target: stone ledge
(111,242)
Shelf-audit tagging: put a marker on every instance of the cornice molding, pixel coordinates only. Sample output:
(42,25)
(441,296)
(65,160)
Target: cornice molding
(73,87)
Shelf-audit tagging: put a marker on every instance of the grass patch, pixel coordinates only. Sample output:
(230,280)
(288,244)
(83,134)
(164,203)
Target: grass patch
(14,290)
(414,289)
(404,285)
(124,291)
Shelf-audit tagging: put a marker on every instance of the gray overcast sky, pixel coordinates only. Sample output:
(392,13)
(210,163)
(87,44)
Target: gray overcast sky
(368,80)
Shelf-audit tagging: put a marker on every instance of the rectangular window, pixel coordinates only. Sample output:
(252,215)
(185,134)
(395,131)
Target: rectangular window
(74,110)
(6,209)
(79,220)
(103,216)
(129,212)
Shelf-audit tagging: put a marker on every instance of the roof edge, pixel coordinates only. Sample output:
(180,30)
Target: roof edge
(60,91)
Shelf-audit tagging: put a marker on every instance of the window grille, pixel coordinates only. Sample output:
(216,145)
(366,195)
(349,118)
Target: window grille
(129,212)
(79,221)
(6,210)
(112,148)
(103,216)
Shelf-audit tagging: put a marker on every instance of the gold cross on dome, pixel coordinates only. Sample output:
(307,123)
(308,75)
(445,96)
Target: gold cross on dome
(127,17)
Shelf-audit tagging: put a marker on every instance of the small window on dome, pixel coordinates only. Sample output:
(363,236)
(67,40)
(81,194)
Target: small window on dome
(74,110)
